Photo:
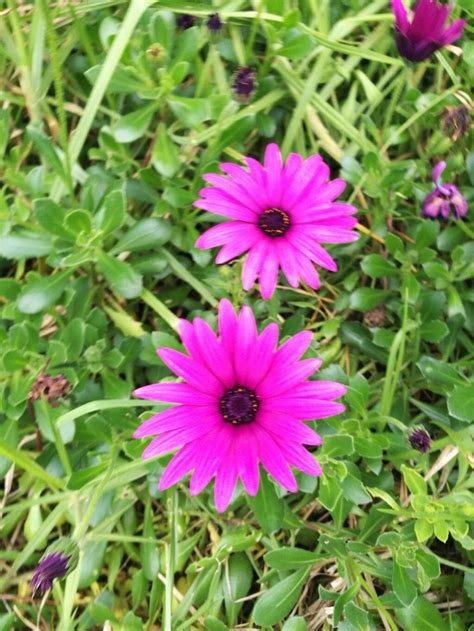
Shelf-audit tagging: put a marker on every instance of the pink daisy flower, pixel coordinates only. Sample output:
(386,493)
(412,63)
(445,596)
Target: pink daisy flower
(242,402)
(280,214)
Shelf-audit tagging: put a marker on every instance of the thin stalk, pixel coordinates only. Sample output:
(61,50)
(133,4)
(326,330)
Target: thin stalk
(58,441)
(133,15)
(81,529)
(171,555)
(58,89)
(159,308)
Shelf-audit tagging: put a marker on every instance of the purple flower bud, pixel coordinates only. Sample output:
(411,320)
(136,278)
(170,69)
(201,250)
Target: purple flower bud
(427,31)
(244,83)
(185,21)
(52,565)
(214,23)
(445,199)
(456,122)
(420,440)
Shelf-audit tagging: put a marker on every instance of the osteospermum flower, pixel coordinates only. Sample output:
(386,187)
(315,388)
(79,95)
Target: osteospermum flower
(445,198)
(427,32)
(59,559)
(243,402)
(280,214)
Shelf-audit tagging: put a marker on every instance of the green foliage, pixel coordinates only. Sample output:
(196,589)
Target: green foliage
(100,165)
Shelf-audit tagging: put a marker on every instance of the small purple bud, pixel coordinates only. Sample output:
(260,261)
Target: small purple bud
(420,440)
(185,21)
(214,23)
(244,83)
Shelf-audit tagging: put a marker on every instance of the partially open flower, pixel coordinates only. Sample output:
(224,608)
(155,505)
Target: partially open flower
(420,440)
(427,31)
(214,23)
(185,21)
(445,199)
(244,83)
(59,560)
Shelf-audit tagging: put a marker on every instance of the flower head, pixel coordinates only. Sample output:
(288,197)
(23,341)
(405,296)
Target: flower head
(185,21)
(445,198)
(52,388)
(214,23)
(427,32)
(243,402)
(244,83)
(456,121)
(280,214)
(420,440)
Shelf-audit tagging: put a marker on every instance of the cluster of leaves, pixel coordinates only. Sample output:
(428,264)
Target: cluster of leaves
(113,114)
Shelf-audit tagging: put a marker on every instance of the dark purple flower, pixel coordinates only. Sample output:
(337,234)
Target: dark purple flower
(420,440)
(185,21)
(52,565)
(427,32)
(214,23)
(445,198)
(244,83)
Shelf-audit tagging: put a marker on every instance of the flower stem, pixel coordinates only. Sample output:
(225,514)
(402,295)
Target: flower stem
(171,554)
(81,529)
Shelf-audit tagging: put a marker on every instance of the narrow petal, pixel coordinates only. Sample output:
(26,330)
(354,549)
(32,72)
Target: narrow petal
(288,261)
(173,393)
(178,418)
(261,355)
(224,233)
(225,209)
(287,427)
(304,409)
(273,168)
(253,263)
(299,457)
(191,371)
(227,322)
(452,33)
(247,459)
(286,377)
(400,13)
(273,460)
(320,390)
(268,274)
(246,181)
(168,441)
(226,480)
(310,248)
(246,340)
(215,356)
(212,449)
(179,466)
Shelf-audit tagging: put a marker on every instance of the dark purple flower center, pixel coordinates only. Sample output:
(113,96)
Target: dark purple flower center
(274,222)
(239,405)
(185,21)
(420,440)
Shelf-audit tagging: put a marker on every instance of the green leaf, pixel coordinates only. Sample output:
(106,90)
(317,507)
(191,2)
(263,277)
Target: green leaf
(121,276)
(78,220)
(51,217)
(144,235)
(365,298)
(297,47)
(438,372)
(377,266)
(403,586)
(433,331)
(278,601)
(423,530)
(291,558)
(338,445)
(461,403)
(267,506)
(237,583)
(165,155)
(421,615)
(149,552)
(47,151)
(414,481)
(25,245)
(191,112)
(441,530)
(112,213)
(295,623)
(40,292)
(133,125)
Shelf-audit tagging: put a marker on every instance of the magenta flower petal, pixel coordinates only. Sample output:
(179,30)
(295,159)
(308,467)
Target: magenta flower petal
(427,32)
(445,199)
(243,403)
(266,205)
